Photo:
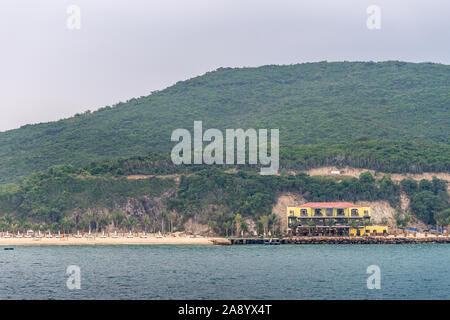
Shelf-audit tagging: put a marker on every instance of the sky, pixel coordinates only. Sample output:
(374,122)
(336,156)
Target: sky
(51,69)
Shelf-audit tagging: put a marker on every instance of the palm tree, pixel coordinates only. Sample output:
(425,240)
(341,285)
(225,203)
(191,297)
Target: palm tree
(237,223)
(226,226)
(211,226)
(67,224)
(3,225)
(443,218)
(274,222)
(89,217)
(26,226)
(117,218)
(54,227)
(14,227)
(95,220)
(8,219)
(265,223)
(244,227)
(103,222)
(132,223)
(172,216)
(163,216)
(155,225)
(85,224)
(145,222)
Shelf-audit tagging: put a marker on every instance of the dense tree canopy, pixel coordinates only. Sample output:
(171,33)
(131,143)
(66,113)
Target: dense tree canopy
(211,196)
(311,103)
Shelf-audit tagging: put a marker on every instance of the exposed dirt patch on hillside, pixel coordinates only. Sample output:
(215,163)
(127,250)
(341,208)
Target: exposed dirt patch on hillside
(195,228)
(284,200)
(404,201)
(355,172)
(381,212)
(176,177)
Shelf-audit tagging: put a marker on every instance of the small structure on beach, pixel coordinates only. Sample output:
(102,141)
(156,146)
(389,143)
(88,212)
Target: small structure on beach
(369,231)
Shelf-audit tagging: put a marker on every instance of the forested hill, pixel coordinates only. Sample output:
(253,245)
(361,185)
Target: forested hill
(312,103)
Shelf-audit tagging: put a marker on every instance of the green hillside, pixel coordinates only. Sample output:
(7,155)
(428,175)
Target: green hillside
(380,155)
(312,103)
(69,199)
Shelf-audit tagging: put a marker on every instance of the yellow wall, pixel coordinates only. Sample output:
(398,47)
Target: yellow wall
(368,230)
(295,211)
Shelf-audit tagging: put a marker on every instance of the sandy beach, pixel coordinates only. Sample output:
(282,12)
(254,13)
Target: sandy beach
(106,240)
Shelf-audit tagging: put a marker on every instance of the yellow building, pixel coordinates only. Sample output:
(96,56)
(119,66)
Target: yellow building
(334,217)
(323,210)
(369,231)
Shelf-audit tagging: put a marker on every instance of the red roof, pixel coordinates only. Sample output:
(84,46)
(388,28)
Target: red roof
(328,205)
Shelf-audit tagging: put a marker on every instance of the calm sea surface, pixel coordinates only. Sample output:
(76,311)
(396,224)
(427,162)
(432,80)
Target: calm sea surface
(235,272)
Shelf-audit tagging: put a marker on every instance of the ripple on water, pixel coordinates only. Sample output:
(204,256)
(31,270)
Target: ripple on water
(237,272)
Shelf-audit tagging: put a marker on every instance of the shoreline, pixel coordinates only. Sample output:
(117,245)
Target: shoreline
(120,240)
(209,241)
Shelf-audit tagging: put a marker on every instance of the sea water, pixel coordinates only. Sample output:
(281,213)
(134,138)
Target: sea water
(418,271)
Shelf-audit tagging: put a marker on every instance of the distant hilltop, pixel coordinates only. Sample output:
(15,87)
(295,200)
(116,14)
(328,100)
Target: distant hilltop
(311,103)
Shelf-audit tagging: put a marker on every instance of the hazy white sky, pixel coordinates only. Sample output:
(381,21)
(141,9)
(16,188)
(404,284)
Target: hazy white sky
(128,48)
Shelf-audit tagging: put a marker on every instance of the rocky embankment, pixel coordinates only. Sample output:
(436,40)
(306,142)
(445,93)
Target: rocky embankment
(337,240)
(366,240)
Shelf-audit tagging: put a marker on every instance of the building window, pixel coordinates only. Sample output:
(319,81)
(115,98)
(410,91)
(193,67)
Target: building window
(340,212)
(354,212)
(329,212)
(304,212)
(317,212)
(366,212)
(291,212)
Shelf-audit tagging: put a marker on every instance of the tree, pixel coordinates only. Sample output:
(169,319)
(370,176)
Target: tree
(443,218)
(265,223)
(425,205)
(226,227)
(409,185)
(95,220)
(212,226)
(145,222)
(237,223)
(3,225)
(54,227)
(85,224)
(133,224)
(366,177)
(172,216)
(244,226)
(14,227)
(117,217)
(274,222)
(163,217)
(103,222)
(67,224)
(402,218)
